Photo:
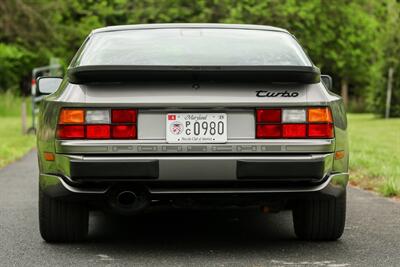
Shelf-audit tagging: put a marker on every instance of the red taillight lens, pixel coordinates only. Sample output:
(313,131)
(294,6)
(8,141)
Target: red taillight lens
(123,116)
(124,131)
(98,132)
(71,131)
(269,131)
(323,130)
(97,123)
(268,115)
(294,130)
(294,122)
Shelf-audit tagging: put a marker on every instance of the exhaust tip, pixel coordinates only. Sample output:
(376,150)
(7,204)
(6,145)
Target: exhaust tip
(126,198)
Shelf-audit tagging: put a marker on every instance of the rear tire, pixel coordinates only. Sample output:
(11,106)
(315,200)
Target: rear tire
(62,221)
(320,218)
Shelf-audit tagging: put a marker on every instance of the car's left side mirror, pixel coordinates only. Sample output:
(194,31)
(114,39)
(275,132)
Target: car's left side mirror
(327,81)
(48,85)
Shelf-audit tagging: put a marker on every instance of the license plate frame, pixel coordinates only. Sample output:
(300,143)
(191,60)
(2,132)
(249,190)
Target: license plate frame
(196,128)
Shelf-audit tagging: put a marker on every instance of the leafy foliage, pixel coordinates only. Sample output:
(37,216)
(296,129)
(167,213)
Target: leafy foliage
(13,60)
(353,41)
(390,47)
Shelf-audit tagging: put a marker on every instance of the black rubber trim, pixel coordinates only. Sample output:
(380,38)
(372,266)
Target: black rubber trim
(311,171)
(115,73)
(86,170)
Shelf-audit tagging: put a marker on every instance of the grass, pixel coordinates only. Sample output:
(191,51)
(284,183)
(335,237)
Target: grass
(13,144)
(375,153)
(10,104)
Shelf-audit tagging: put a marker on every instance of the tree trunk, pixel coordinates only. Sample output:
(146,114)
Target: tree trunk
(389,93)
(345,92)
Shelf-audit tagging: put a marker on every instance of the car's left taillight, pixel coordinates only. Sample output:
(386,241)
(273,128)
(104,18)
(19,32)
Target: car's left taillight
(298,123)
(79,123)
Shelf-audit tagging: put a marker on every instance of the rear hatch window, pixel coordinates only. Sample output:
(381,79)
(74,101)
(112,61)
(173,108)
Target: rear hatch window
(192,47)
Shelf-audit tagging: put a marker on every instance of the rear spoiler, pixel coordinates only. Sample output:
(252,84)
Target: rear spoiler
(113,73)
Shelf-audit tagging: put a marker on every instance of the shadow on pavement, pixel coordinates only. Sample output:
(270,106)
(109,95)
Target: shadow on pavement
(170,228)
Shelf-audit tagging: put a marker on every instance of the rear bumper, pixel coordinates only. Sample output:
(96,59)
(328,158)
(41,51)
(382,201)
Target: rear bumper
(165,175)
(312,168)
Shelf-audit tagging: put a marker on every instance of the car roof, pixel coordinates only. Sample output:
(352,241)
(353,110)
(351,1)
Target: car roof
(188,25)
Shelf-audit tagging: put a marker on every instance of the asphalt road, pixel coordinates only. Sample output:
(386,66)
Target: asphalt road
(193,238)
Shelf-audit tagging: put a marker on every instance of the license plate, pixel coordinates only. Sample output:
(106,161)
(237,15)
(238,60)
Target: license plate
(196,128)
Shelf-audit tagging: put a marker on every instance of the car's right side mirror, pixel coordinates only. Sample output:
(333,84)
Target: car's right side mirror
(48,85)
(327,81)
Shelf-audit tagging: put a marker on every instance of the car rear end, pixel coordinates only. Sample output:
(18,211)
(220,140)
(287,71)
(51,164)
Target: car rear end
(234,136)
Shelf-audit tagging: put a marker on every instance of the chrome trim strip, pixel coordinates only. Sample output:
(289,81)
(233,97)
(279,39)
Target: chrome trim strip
(55,185)
(161,147)
(81,191)
(307,158)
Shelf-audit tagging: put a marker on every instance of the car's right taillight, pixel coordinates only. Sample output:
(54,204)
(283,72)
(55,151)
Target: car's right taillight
(299,123)
(77,123)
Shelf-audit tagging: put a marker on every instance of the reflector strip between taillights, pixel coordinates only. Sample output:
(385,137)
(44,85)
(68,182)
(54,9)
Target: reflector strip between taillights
(313,122)
(97,124)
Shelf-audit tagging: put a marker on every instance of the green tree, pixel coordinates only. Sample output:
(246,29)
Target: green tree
(342,38)
(390,46)
(26,39)
(75,19)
